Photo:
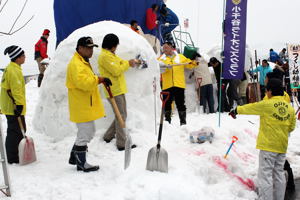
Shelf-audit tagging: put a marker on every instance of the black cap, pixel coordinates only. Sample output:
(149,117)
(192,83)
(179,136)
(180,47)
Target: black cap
(212,60)
(86,42)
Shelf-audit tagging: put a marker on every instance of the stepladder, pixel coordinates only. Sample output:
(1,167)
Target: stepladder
(4,188)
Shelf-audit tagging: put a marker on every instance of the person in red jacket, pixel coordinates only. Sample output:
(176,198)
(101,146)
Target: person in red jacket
(151,17)
(40,52)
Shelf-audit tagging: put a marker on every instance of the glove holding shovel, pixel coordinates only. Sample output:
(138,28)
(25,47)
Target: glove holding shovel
(158,157)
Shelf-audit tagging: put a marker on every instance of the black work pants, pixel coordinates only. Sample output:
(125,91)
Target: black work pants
(176,94)
(207,96)
(13,138)
(232,91)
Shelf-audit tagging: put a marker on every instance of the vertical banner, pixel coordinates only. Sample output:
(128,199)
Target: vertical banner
(294,64)
(234,39)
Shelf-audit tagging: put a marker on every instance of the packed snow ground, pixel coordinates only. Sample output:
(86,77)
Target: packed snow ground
(194,172)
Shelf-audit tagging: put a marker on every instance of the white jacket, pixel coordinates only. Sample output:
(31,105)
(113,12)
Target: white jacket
(202,71)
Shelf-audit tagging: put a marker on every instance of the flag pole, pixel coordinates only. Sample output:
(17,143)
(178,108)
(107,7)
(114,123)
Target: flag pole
(222,55)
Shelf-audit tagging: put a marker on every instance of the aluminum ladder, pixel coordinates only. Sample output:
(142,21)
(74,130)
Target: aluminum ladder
(5,189)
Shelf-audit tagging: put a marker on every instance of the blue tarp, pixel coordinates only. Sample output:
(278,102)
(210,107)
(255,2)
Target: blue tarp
(72,14)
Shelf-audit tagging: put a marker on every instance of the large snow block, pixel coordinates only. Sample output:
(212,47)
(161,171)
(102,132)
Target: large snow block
(52,114)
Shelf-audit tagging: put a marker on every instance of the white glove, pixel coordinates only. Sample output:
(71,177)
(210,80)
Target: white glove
(156,22)
(167,24)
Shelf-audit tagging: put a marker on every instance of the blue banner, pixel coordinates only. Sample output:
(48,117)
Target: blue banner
(73,14)
(234,39)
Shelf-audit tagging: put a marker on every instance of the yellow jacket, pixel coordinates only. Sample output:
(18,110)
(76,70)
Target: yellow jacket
(113,67)
(277,120)
(174,77)
(286,97)
(85,103)
(13,80)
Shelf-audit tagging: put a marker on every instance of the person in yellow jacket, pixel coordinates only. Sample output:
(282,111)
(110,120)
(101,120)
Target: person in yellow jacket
(85,103)
(173,80)
(112,66)
(13,101)
(277,120)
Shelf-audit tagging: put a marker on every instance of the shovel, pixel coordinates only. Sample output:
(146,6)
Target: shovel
(128,141)
(158,157)
(198,82)
(26,146)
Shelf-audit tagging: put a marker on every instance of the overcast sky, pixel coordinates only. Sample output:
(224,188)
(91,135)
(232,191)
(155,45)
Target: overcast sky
(271,24)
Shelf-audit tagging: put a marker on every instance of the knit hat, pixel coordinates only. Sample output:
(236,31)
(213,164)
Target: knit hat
(46,32)
(14,52)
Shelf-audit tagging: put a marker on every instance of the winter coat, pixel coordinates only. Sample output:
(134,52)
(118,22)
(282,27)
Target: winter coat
(41,48)
(202,71)
(277,120)
(283,56)
(262,73)
(174,77)
(273,56)
(85,103)
(170,18)
(286,97)
(13,80)
(113,67)
(151,18)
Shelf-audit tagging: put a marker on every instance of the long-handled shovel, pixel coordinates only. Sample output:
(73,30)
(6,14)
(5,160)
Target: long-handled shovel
(128,141)
(198,82)
(26,148)
(158,157)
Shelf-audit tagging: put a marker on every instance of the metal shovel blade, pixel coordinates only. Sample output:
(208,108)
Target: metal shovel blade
(157,160)
(128,144)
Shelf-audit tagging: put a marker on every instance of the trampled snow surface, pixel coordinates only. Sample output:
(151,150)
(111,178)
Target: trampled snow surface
(196,171)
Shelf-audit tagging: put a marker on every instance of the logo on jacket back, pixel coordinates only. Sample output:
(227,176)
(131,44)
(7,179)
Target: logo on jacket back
(282,111)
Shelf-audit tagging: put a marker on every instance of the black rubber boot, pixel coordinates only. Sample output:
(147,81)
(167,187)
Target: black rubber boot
(40,78)
(182,117)
(168,116)
(72,159)
(82,165)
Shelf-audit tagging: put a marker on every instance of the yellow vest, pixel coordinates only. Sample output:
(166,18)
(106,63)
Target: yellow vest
(113,67)
(174,77)
(277,120)
(13,80)
(85,103)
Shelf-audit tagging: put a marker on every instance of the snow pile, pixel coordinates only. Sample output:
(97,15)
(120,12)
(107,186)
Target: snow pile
(216,52)
(52,115)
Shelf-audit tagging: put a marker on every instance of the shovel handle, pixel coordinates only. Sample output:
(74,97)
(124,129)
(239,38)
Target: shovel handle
(164,101)
(199,81)
(19,118)
(115,107)
(108,90)
(234,139)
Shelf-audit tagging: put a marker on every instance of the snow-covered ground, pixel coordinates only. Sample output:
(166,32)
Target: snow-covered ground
(196,171)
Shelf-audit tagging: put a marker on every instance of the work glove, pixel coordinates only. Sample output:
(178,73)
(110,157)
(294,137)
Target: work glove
(167,24)
(18,110)
(105,81)
(233,113)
